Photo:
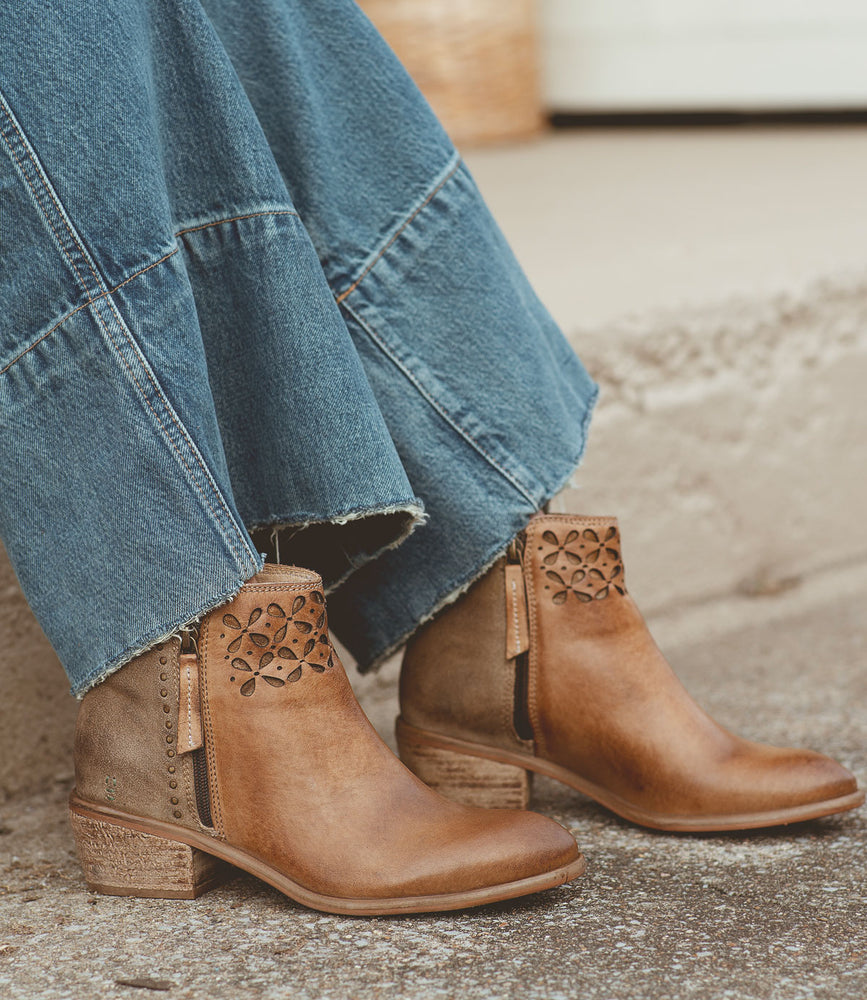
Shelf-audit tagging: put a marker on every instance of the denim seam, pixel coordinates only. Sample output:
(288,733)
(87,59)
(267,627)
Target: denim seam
(450,170)
(235,218)
(221,522)
(84,305)
(91,299)
(440,409)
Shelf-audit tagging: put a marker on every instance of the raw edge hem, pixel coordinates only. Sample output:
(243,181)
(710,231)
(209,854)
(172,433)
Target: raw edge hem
(415,508)
(493,555)
(155,639)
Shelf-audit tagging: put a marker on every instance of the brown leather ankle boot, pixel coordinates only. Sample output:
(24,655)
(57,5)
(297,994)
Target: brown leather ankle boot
(254,751)
(546,665)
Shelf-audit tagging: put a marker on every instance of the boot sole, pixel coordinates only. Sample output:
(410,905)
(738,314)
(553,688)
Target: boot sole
(125,855)
(447,765)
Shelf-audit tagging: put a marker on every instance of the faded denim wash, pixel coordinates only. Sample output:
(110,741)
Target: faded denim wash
(247,283)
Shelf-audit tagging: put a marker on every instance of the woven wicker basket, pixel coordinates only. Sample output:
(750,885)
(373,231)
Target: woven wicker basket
(475,61)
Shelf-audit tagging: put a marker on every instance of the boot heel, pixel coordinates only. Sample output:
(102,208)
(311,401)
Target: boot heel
(473,781)
(122,862)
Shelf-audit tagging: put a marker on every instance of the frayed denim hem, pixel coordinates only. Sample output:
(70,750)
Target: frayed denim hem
(159,636)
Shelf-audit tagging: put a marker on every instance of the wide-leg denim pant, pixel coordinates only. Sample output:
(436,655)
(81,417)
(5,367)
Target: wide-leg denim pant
(247,283)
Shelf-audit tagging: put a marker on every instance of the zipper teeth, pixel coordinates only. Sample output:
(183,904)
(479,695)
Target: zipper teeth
(202,786)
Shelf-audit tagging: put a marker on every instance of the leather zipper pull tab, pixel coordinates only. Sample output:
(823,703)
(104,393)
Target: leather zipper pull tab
(517,621)
(189,708)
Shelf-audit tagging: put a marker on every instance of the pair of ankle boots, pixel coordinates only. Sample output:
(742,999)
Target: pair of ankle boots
(249,749)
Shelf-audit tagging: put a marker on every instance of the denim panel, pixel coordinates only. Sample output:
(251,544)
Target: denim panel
(136,111)
(451,304)
(37,280)
(304,436)
(353,136)
(106,516)
(198,371)
(485,399)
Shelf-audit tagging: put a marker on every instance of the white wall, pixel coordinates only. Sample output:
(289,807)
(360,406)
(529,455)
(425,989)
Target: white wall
(609,55)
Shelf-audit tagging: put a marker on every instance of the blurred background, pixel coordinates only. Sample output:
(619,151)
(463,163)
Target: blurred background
(684,184)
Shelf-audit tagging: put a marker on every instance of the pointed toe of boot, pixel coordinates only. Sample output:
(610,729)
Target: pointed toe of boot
(533,844)
(491,848)
(810,785)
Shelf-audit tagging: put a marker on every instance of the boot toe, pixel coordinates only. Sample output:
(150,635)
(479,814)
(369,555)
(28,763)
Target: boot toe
(822,779)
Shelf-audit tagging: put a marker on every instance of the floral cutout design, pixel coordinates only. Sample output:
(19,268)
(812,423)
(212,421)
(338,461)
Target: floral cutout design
(587,562)
(257,638)
(299,639)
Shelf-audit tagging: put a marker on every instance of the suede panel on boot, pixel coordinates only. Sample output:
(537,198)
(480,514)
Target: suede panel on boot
(440,690)
(126,737)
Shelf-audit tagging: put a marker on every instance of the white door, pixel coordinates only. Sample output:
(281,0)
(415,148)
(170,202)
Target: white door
(676,55)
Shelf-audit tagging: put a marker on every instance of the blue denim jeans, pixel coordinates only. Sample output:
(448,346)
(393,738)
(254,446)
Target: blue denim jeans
(250,290)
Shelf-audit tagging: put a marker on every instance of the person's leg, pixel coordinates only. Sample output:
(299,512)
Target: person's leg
(174,371)
(488,408)
(485,400)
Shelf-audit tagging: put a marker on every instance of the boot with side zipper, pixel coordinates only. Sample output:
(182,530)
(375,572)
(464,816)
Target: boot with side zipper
(252,751)
(547,666)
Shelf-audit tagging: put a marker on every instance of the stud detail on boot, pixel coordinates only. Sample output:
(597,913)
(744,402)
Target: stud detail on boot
(591,700)
(253,751)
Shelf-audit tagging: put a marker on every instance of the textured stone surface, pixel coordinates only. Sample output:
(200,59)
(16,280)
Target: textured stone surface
(757,916)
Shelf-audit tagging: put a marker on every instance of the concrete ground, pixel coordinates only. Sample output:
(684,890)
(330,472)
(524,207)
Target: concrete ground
(757,916)
(715,283)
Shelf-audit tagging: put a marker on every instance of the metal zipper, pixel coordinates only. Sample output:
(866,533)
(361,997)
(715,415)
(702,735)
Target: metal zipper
(521,710)
(201,781)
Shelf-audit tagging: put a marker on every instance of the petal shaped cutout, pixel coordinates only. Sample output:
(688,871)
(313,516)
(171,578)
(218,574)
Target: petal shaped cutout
(241,665)
(571,537)
(275,611)
(234,645)
(304,627)
(591,535)
(285,653)
(592,556)
(582,597)
(560,596)
(248,687)
(298,604)
(255,615)
(266,659)
(295,675)
(231,621)
(275,682)
(280,634)
(258,638)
